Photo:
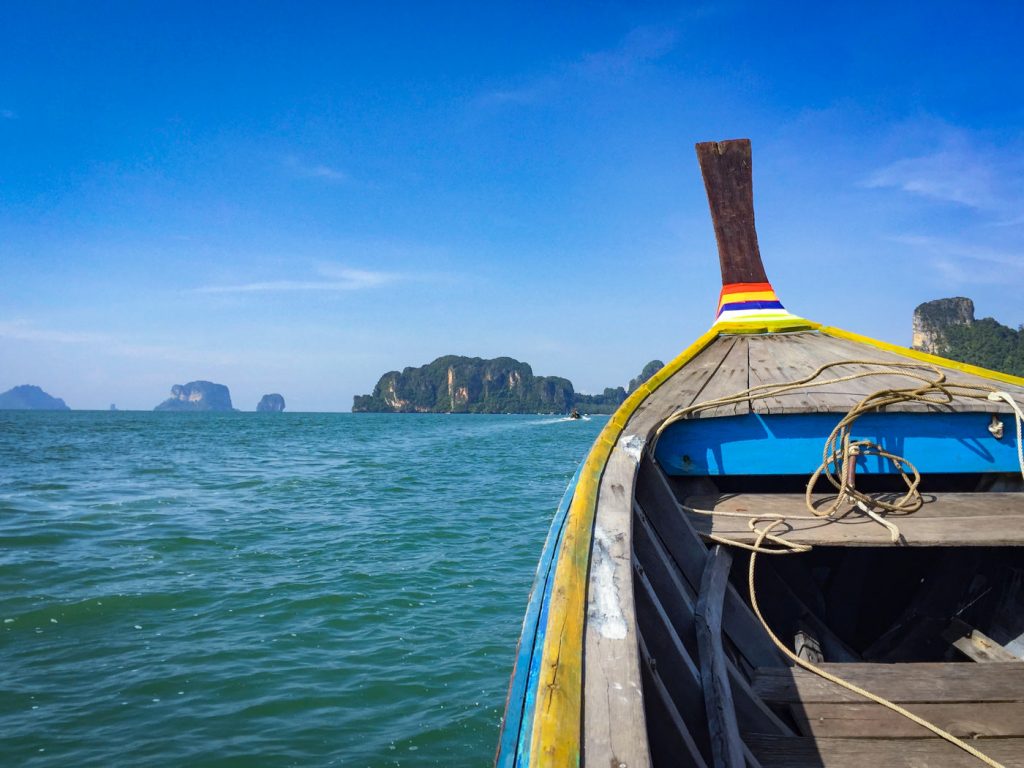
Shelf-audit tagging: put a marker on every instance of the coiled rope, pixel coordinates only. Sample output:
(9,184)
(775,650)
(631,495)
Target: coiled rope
(839,458)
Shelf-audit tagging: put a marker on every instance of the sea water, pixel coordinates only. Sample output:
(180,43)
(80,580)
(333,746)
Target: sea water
(267,590)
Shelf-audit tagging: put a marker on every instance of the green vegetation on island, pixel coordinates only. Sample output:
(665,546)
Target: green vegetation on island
(947,327)
(456,384)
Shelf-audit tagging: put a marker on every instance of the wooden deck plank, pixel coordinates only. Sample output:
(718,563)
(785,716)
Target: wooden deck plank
(975,644)
(613,700)
(773,359)
(785,358)
(969,519)
(902,683)
(870,720)
(689,383)
(805,752)
(732,376)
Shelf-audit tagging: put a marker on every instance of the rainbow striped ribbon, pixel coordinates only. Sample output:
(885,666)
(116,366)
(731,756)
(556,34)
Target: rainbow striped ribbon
(753,302)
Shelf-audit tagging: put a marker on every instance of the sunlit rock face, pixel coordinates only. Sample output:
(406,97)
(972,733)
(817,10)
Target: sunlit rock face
(270,404)
(933,318)
(197,396)
(455,384)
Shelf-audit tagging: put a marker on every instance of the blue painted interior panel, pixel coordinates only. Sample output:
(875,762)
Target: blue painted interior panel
(792,444)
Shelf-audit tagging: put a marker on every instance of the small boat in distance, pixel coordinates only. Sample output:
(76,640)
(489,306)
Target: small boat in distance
(792,546)
(575,414)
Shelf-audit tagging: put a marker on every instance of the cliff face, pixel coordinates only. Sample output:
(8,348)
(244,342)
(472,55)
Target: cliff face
(29,397)
(947,327)
(270,404)
(649,370)
(454,384)
(933,319)
(197,396)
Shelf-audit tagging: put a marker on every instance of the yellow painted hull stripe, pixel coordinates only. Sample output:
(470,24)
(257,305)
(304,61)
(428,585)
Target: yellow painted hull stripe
(974,370)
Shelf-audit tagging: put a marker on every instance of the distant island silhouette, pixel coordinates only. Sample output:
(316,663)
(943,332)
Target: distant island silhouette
(270,404)
(29,397)
(197,396)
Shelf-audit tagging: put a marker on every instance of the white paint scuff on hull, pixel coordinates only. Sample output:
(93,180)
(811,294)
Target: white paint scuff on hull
(604,612)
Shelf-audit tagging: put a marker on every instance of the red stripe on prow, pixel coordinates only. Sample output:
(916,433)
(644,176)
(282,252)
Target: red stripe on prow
(743,287)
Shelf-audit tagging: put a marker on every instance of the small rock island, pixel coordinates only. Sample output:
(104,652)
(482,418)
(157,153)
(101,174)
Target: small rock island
(270,404)
(29,397)
(202,396)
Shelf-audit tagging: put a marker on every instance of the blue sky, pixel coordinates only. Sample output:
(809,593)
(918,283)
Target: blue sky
(296,198)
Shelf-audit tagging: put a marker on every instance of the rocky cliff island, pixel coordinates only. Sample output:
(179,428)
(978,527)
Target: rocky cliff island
(455,384)
(270,404)
(947,327)
(197,396)
(29,397)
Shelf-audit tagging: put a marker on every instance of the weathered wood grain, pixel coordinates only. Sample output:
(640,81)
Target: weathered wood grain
(656,571)
(732,364)
(948,519)
(681,540)
(732,376)
(873,721)
(670,737)
(728,179)
(726,745)
(805,752)
(613,698)
(902,683)
(975,644)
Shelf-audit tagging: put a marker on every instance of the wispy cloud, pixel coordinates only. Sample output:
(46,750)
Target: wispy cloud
(961,262)
(963,170)
(320,171)
(642,45)
(333,279)
(955,177)
(8,114)
(23,330)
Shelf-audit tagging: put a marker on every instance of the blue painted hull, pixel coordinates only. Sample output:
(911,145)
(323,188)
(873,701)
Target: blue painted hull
(791,444)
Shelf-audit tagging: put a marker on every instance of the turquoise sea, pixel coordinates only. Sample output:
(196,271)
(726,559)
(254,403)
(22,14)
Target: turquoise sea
(267,590)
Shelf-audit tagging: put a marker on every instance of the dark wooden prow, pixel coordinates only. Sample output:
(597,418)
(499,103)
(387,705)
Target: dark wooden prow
(729,183)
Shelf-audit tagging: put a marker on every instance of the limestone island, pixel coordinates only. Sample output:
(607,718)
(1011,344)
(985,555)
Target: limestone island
(948,327)
(29,397)
(456,384)
(270,404)
(204,396)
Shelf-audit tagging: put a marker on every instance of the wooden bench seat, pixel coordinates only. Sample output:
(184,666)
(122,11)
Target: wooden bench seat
(946,519)
(804,752)
(983,703)
(969,700)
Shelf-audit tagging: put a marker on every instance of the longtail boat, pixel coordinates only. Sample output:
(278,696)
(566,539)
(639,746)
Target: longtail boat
(793,546)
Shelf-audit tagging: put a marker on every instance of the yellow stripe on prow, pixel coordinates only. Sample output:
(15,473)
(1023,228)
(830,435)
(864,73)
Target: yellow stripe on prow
(926,357)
